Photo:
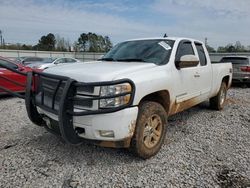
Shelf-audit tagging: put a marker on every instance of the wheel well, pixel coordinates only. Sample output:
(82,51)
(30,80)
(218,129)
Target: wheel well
(226,80)
(162,97)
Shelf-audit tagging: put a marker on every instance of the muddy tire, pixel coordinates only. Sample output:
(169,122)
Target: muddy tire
(218,102)
(150,130)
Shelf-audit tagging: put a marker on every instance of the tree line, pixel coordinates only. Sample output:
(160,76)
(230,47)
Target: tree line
(87,42)
(229,48)
(92,42)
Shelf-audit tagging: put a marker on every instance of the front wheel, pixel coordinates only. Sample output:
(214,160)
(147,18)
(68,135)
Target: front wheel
(219,100)
(150,130)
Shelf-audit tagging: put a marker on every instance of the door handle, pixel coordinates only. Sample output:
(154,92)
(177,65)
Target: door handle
(197,75)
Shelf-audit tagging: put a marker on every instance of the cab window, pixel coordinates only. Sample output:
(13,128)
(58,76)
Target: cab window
(201,53)
(184,48)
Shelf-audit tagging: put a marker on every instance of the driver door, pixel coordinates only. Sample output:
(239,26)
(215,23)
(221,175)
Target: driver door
(186,87)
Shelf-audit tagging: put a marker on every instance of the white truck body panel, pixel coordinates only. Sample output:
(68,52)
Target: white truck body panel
(186,87)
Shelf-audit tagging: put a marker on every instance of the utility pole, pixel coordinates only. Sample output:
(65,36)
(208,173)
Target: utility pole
(206,41)
(1,38)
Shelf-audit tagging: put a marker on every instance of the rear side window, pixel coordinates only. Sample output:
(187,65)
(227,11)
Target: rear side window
(185,48)
(235,60)
(69,60)
(62,60)
(201,53)
(6,63)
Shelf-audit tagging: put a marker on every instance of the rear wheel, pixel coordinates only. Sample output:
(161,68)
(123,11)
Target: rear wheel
(219,100)
(150,130)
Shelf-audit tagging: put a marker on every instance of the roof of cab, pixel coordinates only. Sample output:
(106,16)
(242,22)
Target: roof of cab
(164,38)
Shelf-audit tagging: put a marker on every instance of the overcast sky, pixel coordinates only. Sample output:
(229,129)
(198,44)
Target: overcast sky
(221,21)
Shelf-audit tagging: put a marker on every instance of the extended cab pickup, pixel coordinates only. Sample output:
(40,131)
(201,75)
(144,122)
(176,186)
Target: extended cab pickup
(124,99)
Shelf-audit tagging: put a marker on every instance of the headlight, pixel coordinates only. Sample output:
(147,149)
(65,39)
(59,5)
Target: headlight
(119,95)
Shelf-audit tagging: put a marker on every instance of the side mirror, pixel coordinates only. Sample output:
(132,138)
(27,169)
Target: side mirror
(187,61)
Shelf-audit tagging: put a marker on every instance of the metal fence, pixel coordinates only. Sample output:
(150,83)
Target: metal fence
(216,57)
(87,56)
(83,56)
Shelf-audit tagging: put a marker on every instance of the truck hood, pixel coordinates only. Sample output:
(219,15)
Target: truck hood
(98,70)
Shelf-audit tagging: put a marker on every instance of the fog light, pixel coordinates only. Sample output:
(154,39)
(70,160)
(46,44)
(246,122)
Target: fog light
(107,133)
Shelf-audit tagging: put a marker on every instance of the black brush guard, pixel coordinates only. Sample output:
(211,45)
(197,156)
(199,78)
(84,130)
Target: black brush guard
(62,94)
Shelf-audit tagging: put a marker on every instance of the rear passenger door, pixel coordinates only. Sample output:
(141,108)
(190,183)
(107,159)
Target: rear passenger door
(204,70)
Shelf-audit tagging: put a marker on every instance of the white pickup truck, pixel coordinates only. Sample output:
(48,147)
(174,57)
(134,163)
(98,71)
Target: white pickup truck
(124,99)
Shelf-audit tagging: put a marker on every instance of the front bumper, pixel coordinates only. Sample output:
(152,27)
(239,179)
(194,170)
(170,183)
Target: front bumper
(241,77)
(241,80)
(121,123)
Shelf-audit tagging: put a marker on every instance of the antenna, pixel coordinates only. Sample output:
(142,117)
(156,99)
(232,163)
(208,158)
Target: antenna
(165,35)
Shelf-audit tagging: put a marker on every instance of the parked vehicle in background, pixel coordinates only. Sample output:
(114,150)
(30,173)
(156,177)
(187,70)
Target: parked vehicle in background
(7,76)
(39,63)
(28,60)
(124,98)
(51,62)
(241,68)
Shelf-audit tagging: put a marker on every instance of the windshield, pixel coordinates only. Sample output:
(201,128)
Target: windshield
(148,51)
(48,60)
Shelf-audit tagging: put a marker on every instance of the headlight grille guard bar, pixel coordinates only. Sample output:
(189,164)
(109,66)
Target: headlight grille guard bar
(66,111)
(69,91)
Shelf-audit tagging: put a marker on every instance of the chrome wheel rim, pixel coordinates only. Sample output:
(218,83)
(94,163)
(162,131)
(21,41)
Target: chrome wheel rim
(152,131)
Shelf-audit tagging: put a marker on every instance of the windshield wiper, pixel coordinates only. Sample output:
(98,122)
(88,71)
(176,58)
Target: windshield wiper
(106,59)
(125,59)
(132,59)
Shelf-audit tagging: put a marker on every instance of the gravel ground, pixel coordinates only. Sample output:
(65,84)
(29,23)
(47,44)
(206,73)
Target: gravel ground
(203,148)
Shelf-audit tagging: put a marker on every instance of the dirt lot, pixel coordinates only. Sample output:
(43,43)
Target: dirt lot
(204,148)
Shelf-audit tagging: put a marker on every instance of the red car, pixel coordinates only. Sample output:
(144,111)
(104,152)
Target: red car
(11,80)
